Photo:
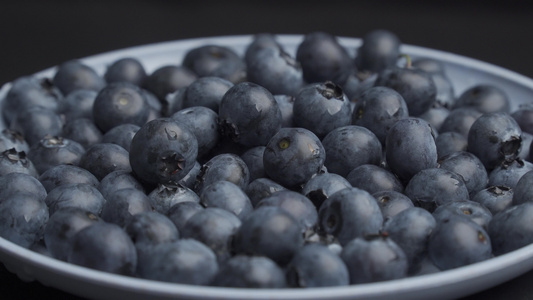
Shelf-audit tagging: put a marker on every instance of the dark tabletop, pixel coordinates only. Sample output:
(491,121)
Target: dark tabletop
(35,35)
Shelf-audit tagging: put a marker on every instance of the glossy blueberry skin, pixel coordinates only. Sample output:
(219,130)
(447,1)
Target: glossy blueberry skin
(120,103)
(314,265)
(12,161)
(80,195)
(484,98)
(380,50)
(410,148)
(349,147)
(416,87)
(180,212)
(524,116)
(215,60)
(253,158)
(260,41)
(74,75)
(449,142)
(323,185)
(14,183)
(168,79)
(350,213)
(163,151)
(433,187)
(460,120)
(275,70)
(510,230)
(63,226)
(121,135)
(190,179)
(186,261)
(53,151)
(271,232)
(373,179)
(77,104)
(495,138)
(151,228)
(165,196)
(261,188)
(27,92)
(475,211)
(36,122)
(299,206)
(66,174)
(214,227)
(126,69)
(321,107)
(374,259)
(13,139)
(105,247)
(523,191)
(103,158)
(227,167)
(495,198)
(206,91)
(82,131)
(203,123)
(249,114)
(508,174)
(118,180)
(24,217)
(228,196)
(323,58)
(243,271)
(286,105)
(435,116)
(410,229)
(123,204)
(469,167)
(457,241)
(293,156)
(377,109)
(392,203)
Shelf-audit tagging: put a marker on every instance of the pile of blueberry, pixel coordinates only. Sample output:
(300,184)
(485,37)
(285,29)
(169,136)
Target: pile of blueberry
(266,170)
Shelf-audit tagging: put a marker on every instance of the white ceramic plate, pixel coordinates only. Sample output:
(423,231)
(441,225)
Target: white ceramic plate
(463,72)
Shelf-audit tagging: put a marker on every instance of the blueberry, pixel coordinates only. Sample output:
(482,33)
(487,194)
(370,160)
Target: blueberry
(163,151)
(469,167)
(214,227)
(373,179)
(509,173)
(215,60)
(495,198)
(510,229)
(82,131)
(53,151)
(323,58)
(74,75)
(321,107)
(227,167)
(253,158)
(165,196)
(350,213)
(13,139)
(12,161)
(260,41)
(180,212)
(186,261)
(168,79)
(314,265)
(249,114)
(123,204)
(433,187)
(449,142)
(269,231)
(445,91)
(293,156)
(120,103)
(205,91)
(80,195)
(228,196)
(121,135)
(527,140)
(484,98)
(242,271)
(150,228)
(103,158)
(63,226)
(523,191)
(203,123)
(261,188)
(410,229)
(190,179)
(457,241)
(460,120)
(524,116)
(495,138)
(374,259)
(66,174)
(475,211)
(377,109)
(286,106)
(77,104)
(126,69)
(14,183)
(322,186)
(392,203)
(379,50)
(436,115)
(105,247)
(296,204)
(37,122)
(410,148)
(24,217)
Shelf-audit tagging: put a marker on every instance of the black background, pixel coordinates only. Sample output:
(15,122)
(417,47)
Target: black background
(35,35)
